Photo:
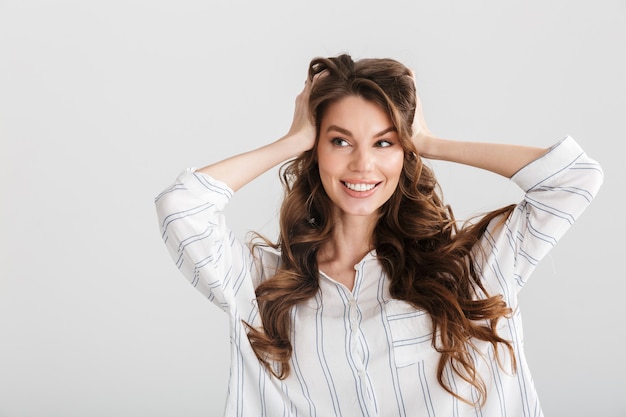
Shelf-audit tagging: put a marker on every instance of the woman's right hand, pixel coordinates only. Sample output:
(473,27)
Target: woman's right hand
(302,126)
(239,170)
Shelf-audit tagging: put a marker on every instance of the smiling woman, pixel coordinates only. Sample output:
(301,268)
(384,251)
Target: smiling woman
(359,158)
(372,288)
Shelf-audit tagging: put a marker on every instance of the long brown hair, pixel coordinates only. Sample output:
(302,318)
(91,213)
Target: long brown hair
(430,261)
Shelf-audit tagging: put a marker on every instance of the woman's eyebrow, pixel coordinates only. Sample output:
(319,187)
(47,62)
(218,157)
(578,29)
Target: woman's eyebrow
(339,129)
(348,133)
(384,132)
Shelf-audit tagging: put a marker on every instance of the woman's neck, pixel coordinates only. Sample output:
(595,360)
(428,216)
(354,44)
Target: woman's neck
(351,241)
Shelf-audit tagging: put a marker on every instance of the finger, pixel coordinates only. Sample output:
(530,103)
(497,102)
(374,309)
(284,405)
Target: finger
(319,75)
(307,87)
(413,77)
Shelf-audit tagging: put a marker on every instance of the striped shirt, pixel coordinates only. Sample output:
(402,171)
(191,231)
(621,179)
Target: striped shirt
(361,352)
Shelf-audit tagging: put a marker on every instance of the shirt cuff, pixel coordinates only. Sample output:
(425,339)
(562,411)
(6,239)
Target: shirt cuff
(551,164)
(206,187)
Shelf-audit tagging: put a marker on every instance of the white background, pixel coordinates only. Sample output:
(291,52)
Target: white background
(103,103)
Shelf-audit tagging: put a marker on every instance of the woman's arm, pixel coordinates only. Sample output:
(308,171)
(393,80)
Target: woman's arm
(239,170)
(193,226)
(502,159)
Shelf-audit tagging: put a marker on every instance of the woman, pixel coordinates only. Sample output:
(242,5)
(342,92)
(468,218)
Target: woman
(373,302)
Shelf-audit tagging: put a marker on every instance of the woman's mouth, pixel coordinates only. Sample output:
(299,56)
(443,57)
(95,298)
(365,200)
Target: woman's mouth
(359,187)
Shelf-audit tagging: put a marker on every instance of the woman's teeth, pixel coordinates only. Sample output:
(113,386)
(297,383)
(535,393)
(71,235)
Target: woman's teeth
(359,187)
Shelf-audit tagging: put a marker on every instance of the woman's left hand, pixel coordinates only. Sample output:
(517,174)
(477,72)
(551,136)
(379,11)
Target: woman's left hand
(421,134)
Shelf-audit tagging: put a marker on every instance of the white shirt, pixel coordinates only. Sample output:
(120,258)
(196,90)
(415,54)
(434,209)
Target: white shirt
(360,352)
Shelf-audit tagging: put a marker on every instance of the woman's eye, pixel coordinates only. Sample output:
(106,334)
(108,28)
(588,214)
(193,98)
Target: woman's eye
(383,143)
(339,142)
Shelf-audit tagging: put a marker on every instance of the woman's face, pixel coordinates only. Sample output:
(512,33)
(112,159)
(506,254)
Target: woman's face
(359,156)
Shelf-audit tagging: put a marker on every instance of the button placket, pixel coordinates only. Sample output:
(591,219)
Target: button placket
(355,337)
(353,316)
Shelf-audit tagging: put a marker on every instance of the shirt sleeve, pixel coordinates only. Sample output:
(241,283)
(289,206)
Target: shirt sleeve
(202,247)
(558,187)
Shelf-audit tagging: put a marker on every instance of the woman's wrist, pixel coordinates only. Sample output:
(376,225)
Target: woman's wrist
(296,143)
(426,145)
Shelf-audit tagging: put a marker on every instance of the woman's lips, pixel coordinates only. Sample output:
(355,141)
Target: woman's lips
(360,189)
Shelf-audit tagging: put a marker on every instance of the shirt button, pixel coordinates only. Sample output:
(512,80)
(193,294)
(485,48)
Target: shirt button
(353,326)
(361,373)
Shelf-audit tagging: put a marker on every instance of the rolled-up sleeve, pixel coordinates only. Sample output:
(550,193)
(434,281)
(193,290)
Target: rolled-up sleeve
(558,187)
(203,248)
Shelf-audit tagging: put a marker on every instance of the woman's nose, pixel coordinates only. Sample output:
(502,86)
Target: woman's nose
(362,161)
